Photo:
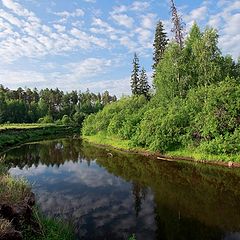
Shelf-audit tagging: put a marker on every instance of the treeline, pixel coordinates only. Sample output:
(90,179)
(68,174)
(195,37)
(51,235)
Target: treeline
(196,104)
(49,105)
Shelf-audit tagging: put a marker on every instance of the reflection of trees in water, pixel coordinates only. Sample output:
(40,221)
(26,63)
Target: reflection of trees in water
(190,191)
(188,197)
(139,193)
(53,153)
(170,225)
(49,153)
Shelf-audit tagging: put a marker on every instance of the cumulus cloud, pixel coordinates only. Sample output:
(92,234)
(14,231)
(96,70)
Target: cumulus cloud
(24,34)
(123,19)
(227,21)
(89,67)
(96,39)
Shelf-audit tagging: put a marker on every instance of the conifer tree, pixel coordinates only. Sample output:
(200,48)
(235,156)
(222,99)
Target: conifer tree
(143,84)
(178,25)
(159,45)
(135,76)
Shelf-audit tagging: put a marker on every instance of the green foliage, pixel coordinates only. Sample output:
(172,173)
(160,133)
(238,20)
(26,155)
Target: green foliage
(11,135)
(52,229)
(139,80)
(48,105)
(159,45)
(46,119)
(133,237)
(66,120)
(135,75)
(120,118)
(196,104)
(12,190)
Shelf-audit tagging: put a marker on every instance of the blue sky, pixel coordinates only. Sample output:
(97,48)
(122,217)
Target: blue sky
(80,44)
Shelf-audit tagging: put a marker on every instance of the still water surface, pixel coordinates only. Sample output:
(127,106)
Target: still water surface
(114,197)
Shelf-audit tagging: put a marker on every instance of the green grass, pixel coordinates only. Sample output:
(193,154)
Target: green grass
(133,237)
(25,125)
(111,141)
(195,154)
(13,190)
(15,134)
(51,229)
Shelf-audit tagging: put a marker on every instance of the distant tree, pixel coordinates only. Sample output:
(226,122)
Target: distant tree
(159,45)
(143,84)
(135,75)
(178,25)
(106,98)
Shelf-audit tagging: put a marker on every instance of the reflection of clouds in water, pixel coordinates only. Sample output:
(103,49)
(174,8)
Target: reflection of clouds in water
(95,200)
(27,172)
(92,176)
(117,214)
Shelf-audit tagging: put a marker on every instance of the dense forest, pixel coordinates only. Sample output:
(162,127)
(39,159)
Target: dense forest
(48,105)
(195,101)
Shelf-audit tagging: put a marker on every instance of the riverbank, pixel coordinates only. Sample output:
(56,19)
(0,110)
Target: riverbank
(192,155)
(19,217)
(17,134)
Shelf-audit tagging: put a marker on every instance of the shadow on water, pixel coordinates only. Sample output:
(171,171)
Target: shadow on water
(113,197)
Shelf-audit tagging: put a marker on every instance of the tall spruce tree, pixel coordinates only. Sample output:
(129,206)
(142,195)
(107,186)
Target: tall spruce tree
(159,45)
(178,25)
(135,76)
(143,84)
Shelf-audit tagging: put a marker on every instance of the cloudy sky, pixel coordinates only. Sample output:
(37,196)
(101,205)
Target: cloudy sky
(80,44)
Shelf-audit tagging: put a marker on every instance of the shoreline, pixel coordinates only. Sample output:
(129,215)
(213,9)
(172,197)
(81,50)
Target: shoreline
(15,137)
(31,223)
(162,157)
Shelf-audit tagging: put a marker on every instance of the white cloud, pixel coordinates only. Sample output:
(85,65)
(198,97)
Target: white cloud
(139,6)
(90,1)
(89,67)
(59,27)
(114,86)
(148,21)
(136,6)
(21,77)
(24,35)
(197,14)
(65,14)
(123,19)
(227,22)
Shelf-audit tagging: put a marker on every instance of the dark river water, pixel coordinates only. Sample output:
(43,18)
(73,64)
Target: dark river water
(114,197)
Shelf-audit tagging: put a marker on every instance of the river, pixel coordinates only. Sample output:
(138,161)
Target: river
(113,197)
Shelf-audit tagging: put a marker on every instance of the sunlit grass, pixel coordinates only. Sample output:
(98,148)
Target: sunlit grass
(112,141)
(197,155)
(25,125)
(193,153)
(13,190)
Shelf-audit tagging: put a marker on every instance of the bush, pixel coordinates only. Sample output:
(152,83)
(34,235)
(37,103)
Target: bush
(46,119)
(66,120)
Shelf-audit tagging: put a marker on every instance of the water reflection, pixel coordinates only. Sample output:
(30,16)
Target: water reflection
(111,198)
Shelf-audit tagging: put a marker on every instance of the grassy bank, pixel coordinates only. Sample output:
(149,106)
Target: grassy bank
(189,154)
(15,134)
(14,192)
